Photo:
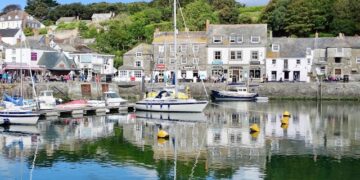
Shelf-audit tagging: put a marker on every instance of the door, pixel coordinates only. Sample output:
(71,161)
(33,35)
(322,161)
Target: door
(86,90)
(273,75)
(286,75)
(236,74)
(296,75)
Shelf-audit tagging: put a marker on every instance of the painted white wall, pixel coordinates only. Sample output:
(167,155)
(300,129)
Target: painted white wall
(13,40)
(304,67)
(22,55)
(96,60)
(10,24)
(246,54)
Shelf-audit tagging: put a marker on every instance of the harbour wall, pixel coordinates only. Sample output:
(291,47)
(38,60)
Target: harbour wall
(133,91)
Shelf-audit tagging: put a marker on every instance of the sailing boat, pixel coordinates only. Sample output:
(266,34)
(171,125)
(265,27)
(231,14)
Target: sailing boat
(167,100)
(19,114)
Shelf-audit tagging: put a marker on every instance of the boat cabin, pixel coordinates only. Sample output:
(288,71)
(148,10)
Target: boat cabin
(46,93)
(238,89)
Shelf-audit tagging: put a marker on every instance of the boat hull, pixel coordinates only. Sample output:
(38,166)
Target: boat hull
(28,119)
(171,106)
(218,96)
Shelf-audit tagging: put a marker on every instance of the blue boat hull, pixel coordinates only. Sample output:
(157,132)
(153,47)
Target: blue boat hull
(217,96)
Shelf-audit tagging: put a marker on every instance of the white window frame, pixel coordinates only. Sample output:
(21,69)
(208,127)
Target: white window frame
(275,47)
(339,50)
(239,39)
(232,39)
(196,48)
(298,61)
(196,61)
(358,60)
(232,55)
(217,39)
(137,73)
(161,49)
(252,55)
(183,60)
(216,55)
(123,73)
(172,60)
(172,48)
(138,54)
(183,48)
(237,55)
(273,61)
(136,63)
(161,61)
(309,61)
(255,37)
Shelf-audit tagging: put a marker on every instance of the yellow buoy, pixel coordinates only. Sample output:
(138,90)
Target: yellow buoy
(285,120)
(286,114)
(254,128)
(162,140)
(162,134)
(284,126)
(254,134)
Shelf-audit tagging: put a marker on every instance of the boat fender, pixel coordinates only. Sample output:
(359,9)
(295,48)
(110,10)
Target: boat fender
(254,128)
(285,120)
(6,121)
(286,114)
(162,134)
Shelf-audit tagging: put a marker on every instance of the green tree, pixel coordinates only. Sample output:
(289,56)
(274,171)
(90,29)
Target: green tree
(196,14)
(28,31)
(40,8)
(10,7)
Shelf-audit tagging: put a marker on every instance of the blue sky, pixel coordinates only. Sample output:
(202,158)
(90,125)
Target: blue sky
(3,3)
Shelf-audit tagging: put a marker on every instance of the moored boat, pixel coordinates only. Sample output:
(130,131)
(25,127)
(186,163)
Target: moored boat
(234,93)
(18,116)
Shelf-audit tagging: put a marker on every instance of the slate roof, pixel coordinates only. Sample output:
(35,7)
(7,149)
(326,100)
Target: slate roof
(102,16)
(290,47)
(21,15)
(66,19)
(35,42)
(51,61)
(244,30)
(146,49)
(182,37)
(8,32)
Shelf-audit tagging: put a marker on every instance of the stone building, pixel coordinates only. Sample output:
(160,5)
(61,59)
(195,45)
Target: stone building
(289,59)
(190,55)
(137,62)
(236,51)
(19,19)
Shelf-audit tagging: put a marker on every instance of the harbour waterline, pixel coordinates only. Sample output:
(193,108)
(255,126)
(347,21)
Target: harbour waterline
(320,141)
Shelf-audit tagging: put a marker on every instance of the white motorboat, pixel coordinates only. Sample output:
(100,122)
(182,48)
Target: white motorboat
(113,99)
(190,117)
(234,93)
(18,116)
(47,100)
(165,102)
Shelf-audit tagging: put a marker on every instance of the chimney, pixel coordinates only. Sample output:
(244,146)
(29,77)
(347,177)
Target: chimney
(207,25)
(316,35)
(341,35)
(270,35)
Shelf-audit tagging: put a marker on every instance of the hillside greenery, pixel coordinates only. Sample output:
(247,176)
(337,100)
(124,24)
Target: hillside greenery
(136,22)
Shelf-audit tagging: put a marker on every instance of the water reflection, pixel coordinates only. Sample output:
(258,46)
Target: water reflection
(213,144)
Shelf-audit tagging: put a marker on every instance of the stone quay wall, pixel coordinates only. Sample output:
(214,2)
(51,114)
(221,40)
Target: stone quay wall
(133,91)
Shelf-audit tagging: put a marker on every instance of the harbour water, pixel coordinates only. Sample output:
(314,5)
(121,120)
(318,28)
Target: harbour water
(320,141)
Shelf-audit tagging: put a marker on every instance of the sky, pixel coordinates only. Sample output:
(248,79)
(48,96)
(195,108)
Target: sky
(3,3)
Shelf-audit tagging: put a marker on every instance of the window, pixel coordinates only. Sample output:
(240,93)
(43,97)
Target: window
(275,48)
(16,17)
(183,48)
(308,51)
(232,55)
(183,60)
(138,63)
(161,49)
(13,51)
(339,50)
(9,17)
(254,55)
(172,60)
(322,69)
(337,60)
(274,61)
(217,39)
(195,60)
(196,48)
(232,39)
(123,73)
(255,73)
(309,61)
(137,74)
(172,48)
(358,60)
(255,39)
(161,61)
(217,55)
(298,62)
(239,55)
(239,39)
(138,54)
(13,59)
(217,137)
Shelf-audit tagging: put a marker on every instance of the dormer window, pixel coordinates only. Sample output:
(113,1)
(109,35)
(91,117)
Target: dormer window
(275,47)
(255,39)
(308,51)
(138,64)
(9,17)
(239,39)
(16,17)
(232,39)
(339,50)
(138,54)
(217,39)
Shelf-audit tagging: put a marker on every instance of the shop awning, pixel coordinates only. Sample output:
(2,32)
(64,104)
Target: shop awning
(19,66)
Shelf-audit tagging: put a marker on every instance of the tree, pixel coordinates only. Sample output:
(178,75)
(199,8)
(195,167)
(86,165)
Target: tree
(11,7)
(196,14)
(40,8)
(228,10)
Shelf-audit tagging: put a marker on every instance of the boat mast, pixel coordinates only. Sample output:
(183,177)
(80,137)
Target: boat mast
(175,48)
(21,69)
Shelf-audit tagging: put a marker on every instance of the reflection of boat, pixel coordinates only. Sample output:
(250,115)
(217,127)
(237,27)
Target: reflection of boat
(195,117)
(23,129)
(73,104)
(17,115)
(234,93)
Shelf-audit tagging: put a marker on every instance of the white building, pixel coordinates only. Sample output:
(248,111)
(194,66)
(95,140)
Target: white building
(19,19)
(12,36)
(99,17)
(289,59)
(236,52)
(93,63)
